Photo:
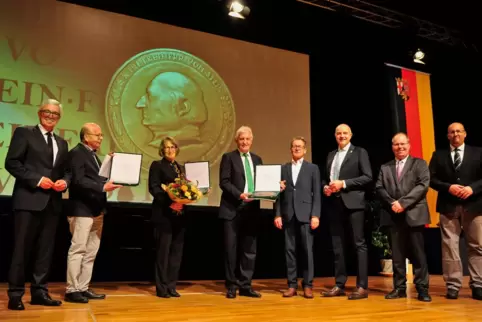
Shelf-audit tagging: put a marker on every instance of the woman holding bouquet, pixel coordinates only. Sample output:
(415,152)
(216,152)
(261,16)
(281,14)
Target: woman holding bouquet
(168,219)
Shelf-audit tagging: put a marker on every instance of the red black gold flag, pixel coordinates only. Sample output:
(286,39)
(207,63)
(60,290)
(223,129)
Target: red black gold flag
(411,106)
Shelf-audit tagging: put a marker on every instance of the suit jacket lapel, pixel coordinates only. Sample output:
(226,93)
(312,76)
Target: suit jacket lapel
(393,168)
(347,156)
(60,148)
(42,142)
(289,170)
(466,157)
(450,162)
(302,171)
(331,157)
(238,162)
(407,166)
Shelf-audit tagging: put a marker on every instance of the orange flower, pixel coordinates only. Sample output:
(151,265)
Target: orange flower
(184,187)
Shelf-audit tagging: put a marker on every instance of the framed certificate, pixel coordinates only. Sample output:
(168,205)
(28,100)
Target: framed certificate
(267,182)
(122,168)
(198,172)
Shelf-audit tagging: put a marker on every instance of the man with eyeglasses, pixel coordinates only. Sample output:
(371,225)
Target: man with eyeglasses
(38,159)
(402,187)
(298,213)
(456,173)
(87,202)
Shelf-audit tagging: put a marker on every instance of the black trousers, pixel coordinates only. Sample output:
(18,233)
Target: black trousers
(241,231)
(34,241)
(354,220)
(292,229)
(169,243)
(408,242)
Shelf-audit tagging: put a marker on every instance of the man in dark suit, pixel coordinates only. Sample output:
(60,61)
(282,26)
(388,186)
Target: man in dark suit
(347,175)
(298,212)
(37,158)
(456,174)
(402,187)
(240,217)
(87,197)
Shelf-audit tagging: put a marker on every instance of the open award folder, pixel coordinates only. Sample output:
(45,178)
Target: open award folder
(266,182)
(122,168)
(198,172)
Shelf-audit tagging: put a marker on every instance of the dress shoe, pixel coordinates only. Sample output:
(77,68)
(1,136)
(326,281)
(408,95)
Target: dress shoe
(249,292)
(16,304)
(173,292)
(452,294)
(423,296)
(290,292)
(44,299)
(231,293)
(358,294)
(308,293)
(75,297)
(396,294)
(336,291)
(163,294)
(477,293)
(90,294)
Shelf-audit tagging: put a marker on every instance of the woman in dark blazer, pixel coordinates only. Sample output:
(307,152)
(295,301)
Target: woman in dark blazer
(167,218)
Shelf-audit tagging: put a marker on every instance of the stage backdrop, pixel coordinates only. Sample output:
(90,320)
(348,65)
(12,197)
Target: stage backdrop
(142,80)
(411,106)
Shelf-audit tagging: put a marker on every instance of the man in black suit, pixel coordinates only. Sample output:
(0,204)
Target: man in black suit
(298,212)
(347,175)
(402,187)
(87,198)
(240,217)
(456,174)
(37,158)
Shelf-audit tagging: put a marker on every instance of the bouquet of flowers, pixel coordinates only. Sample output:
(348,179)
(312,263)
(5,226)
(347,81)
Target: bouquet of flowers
(183,191)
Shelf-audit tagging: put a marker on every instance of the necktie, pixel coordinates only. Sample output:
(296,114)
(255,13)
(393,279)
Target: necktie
(249,175)
(457,161)
(50,146)
(399,169)
(336,166)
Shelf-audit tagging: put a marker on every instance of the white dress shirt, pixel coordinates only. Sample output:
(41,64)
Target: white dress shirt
(244,168)
(461,152)
(295,169)
(54,142)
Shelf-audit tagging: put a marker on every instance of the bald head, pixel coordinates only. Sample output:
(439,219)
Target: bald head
(400,145)
(343,135)
(400,135)
(456,134)
(91,135)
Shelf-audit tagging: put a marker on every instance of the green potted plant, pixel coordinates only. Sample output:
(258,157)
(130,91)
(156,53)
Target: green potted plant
(380,239)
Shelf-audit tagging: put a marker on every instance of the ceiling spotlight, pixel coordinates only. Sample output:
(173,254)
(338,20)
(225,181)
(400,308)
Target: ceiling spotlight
(418,57)
(238,10)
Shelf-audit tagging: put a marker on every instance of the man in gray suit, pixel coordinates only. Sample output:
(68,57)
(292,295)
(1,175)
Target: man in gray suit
(402,187)
(298,212)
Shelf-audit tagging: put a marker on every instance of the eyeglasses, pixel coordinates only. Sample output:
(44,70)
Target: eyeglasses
(50,113)
(297,146)
(170,147)
(97,135)
(456,132)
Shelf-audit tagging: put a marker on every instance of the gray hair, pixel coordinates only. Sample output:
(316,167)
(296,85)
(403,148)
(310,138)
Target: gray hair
(243,129)
(51,101)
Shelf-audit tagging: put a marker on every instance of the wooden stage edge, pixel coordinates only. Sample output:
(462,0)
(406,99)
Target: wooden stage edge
(205,301)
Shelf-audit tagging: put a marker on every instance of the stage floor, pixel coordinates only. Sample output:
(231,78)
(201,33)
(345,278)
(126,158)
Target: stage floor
(205,301)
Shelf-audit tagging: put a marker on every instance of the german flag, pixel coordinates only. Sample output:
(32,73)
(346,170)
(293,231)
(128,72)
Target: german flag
(411,106)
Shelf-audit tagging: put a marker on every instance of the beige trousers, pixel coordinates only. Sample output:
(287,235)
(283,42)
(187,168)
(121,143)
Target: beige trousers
(86,233)
(451,225)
